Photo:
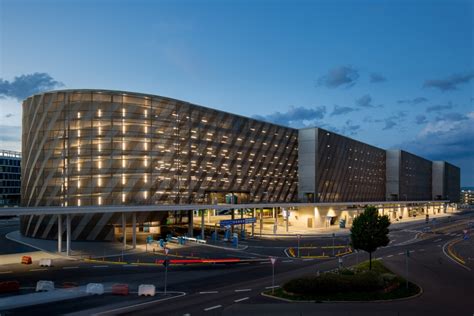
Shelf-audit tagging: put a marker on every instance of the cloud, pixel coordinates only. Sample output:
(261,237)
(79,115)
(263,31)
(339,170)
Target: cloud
(450,83)
(295,117)
(349,128)
(24,86)
(439,108)
(365,101)
(376,77)
(414,101)
(8,115)
(339,76)
(10,133)
(340,110)
(421,119)
(394,120)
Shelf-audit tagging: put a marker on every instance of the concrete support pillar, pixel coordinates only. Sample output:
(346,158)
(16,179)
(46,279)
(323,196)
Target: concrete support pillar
(134,230)
(253,224)
(242,227)
(208,216)
(190,223)
(261,221)
(273,212)
(60,233)
(124,231)
(68,234)
(202,224)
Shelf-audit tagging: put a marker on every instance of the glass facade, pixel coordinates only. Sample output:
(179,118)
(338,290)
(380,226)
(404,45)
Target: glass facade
(10,178)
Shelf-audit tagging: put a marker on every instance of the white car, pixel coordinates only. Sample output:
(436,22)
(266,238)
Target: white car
(146,290)
(44,286)
(95,288)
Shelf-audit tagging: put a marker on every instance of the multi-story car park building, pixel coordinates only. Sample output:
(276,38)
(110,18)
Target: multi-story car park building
(10,178)
(94,148)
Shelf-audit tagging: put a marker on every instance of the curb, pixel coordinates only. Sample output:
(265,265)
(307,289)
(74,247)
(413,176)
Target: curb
(453,257)
(360,302)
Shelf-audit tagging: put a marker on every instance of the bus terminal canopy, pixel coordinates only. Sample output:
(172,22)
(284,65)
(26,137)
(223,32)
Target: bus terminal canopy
(55,210)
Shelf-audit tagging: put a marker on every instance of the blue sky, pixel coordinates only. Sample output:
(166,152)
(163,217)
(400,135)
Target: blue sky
(395,74)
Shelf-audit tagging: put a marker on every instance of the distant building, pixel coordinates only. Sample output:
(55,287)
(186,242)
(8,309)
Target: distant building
(446,181)
(467,196)
(10,174)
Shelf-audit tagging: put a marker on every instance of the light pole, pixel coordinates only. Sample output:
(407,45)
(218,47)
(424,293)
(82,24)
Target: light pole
(298,236)
(166,267)
(333,240)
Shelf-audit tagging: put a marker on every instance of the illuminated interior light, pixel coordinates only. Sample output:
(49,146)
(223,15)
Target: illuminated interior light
(123,112)
(100,200)
(78,202)
(123,162)
(79,183)
(123,197)
(78,133)
(99,113)
(146,145)
(99,181)
(145,161)
(123,127)
(78,115)
(146,129)
(145,194)
(78,166)
(123,179)
(123,145)
(145,178)
(99,147)
(146,113)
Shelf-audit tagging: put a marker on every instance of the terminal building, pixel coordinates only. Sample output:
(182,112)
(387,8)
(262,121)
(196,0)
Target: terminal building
(94,148)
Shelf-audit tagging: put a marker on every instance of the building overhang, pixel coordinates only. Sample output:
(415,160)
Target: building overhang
(55,210)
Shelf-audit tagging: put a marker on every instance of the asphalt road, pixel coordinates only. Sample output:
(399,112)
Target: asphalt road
(235,289)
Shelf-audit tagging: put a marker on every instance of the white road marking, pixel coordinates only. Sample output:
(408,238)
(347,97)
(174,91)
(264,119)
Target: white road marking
(287,261)
(209,292)
(264,262)
(5,272)
(438,240)
(66,268)
(243,290)
(309,259)
(100,266)
(212,307)
(44,269)
(241,299)
(400,253)
(389,256)
(272,287)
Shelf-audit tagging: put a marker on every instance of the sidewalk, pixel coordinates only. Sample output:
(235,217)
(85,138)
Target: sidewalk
(267,231)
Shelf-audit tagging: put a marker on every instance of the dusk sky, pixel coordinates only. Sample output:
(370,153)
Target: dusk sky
(394,74)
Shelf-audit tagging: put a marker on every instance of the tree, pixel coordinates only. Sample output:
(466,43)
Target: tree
(370,231)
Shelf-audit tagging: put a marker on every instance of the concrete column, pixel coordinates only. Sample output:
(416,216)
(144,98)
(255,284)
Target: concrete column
(273,210)
(202,224)
(68,234)
(134,230)
(124,231)
(60,233)
(242,227)
(253,224)
(190,223)
(208,216)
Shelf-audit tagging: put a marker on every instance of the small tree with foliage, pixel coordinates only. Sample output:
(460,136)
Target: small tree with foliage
(370,231)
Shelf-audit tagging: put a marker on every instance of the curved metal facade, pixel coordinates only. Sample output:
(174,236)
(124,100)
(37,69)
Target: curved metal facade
(98,147)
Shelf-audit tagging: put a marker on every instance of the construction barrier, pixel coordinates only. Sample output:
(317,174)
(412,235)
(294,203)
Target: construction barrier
(26,260)
(95,288)
(44,286)
(45,262)
(9,286)
(120,289)
(146,290)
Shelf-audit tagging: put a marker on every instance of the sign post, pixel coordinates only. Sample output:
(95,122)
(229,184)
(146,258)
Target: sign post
(166,263)
(299,237)
(406,266)
(273,260)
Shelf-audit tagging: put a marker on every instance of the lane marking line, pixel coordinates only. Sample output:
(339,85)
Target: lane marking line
(66,268)
(308,259)
(209,292)
(288,261)
(272,287)
(43,269)
(400,253)
(438,240)
(241,299)
(100,266)
(243,290)
(212,307)
(389,256)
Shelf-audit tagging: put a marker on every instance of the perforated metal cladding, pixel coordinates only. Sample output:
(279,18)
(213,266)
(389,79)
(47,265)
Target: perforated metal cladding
(90,147)
(349,170)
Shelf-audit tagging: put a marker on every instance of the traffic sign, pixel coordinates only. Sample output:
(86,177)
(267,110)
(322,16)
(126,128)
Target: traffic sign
(240,221)
(273,260)
(166,262)
(408,253)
